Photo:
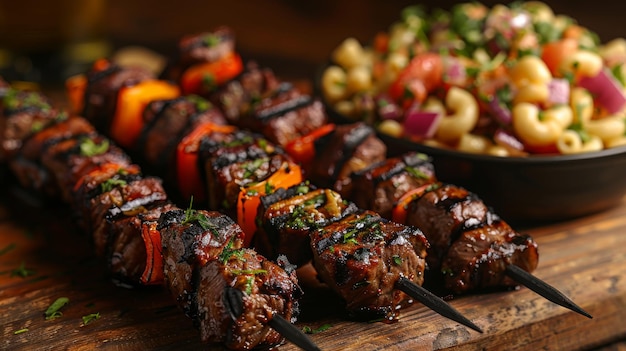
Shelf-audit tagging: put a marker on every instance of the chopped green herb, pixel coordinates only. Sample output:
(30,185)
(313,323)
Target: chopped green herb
(53,310)
(192,215)
(23,330)
(211,40)
(249,271)
(229,252)
(208,81)
(8,248)
(397,260)
(89,148)
(22,271)
(253,166)
(90,318)
(111,183)
(269,188)
(308,330)
(416,173)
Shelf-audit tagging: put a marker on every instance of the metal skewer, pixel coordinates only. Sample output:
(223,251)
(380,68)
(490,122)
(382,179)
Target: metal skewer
(544,289)
(434,302)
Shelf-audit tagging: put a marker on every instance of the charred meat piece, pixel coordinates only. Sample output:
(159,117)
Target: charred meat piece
(166,123)
(70,159)
(362,257)
(26,164)
(442,213)
(289,215)
(284,116)
(191,239)
(134,246)
(479,257)
(122,200)
(262,289)
(239,160)
(102,90)
(198,48)
(237,97)
(347,149)
(22,114)
(380,186)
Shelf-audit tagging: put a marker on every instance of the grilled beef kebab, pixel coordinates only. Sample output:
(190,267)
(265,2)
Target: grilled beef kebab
(234,295)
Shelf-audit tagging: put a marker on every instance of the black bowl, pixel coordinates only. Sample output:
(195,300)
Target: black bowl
(534,188)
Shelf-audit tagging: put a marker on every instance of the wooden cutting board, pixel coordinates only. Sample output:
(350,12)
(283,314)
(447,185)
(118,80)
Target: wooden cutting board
(585,258)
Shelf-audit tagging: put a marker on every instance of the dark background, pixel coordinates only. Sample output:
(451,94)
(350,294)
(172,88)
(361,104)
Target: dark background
(39,40)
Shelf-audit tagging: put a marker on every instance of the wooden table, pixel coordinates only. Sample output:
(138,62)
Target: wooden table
(585,258)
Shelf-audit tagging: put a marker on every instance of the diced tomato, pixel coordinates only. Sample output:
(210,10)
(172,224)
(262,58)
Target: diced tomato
(250,197)
(188,176)
(201,78)
(153,273)
(131,102)
(423,74)
(381,42)
(555,52)
(399,212)
(302,150)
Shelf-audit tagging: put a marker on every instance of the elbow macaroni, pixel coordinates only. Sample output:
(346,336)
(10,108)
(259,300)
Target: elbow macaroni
(464,118)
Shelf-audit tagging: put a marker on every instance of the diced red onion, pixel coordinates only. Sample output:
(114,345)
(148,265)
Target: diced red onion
(387,109)
(606,91)
(507,140)
(500,112)
(421,123)
(455,72)
(558,91)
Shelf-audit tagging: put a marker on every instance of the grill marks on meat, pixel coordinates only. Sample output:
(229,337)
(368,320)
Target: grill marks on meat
(166,123)
(203,257)
(381,185)
(234,161)
(289,215)
(363,256)
(347,149)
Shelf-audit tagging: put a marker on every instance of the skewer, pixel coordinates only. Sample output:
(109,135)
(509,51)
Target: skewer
(544,289)
(233,299)
(434,302)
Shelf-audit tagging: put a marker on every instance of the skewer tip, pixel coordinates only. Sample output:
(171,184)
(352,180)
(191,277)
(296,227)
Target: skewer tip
(291,333)
(544,289)
(434,302)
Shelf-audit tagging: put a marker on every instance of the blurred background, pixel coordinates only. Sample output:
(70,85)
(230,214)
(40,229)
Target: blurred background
(48,41)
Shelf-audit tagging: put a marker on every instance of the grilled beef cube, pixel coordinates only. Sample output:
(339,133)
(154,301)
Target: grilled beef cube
(191,239)
(102,90)
(479,257)
(27,163)
(199,48)
(134,250)
(235,162)
(102,179)
(124,199)
(289,215)
(69,160)
(262,290)
(349,148)
(442,213)
(237,97)
(362,257)
(23,113)
(380,186)
(284,116)
(166,123)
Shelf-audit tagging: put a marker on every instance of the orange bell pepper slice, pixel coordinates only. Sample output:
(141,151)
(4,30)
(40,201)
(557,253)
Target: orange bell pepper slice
(153,273)
(302,149)
(399,212)
(250,197)
(131,102)
(75,87)
(204,77)
(190,183)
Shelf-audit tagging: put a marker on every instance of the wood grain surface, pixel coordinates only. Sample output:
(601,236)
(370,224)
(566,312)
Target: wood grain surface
(584,258)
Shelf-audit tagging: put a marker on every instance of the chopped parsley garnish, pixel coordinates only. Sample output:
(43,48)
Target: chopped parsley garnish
(53,310)
(211,40)
(269,188)
(22,271)
(252,166)
(309,330)
(201,103)
(416,173)
(91,318)
(192,215)
(397,260)
(208,81)
(111,183)
(89,148)
(20,331)
(228,252)
(249,271)
(350,237)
